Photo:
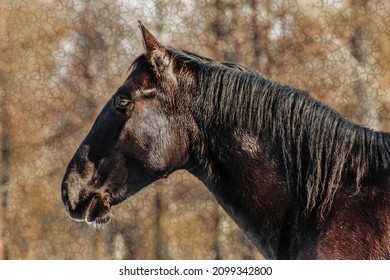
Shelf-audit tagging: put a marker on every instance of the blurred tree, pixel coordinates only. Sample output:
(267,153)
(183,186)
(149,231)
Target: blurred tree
(4,137)
(61,60)
(4,169)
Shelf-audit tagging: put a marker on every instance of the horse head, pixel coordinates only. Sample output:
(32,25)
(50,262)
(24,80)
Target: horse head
(141,135)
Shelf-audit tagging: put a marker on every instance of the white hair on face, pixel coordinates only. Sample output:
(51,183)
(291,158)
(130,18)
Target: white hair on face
(74,178)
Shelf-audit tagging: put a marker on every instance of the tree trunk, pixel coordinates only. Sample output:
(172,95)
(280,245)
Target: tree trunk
(360,49)
(4,172)
(4,145)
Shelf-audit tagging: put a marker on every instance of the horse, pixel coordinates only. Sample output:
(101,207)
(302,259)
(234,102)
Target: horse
(299,179)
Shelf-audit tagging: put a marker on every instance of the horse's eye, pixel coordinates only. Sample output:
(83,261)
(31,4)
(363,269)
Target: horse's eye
(123,103)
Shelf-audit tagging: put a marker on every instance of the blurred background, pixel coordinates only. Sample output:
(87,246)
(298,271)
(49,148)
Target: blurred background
(60,61)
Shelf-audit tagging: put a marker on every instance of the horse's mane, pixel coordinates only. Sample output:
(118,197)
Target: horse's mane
(320,148)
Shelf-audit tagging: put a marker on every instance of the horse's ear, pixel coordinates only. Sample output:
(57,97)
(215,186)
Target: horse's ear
(154,50)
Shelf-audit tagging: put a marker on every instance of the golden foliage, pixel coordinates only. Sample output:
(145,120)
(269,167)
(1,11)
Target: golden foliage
(61,60)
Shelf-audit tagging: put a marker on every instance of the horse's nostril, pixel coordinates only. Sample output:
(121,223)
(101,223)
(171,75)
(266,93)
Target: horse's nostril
(64,194)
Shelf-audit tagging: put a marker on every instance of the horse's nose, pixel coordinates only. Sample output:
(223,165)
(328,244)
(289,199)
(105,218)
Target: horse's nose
(64,193)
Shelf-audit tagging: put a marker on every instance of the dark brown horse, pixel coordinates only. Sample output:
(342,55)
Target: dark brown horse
(299,179)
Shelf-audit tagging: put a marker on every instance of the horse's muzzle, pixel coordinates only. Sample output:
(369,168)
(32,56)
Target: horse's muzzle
(93,208)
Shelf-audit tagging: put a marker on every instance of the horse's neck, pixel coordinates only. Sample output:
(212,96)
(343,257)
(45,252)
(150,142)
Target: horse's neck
(247,181)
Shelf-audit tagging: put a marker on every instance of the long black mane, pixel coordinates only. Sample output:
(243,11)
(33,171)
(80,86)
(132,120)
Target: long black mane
(321,149)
